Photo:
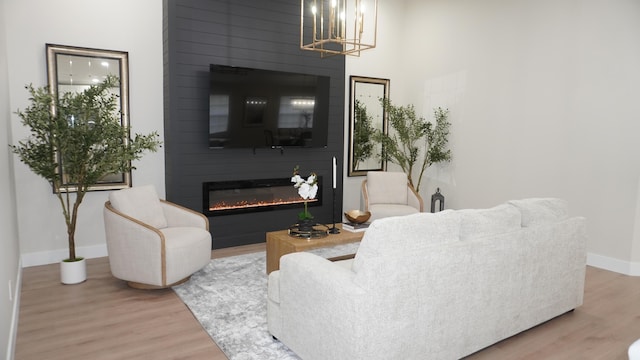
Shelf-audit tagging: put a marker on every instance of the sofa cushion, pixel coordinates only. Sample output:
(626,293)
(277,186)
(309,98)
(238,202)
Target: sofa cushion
(537,211)
(482,222)
(407,234)
(141,203)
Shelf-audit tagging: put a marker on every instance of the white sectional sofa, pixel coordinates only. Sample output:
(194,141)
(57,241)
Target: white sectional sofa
(433,286)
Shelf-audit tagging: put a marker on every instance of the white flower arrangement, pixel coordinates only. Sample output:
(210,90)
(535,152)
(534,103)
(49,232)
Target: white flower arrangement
(307,189)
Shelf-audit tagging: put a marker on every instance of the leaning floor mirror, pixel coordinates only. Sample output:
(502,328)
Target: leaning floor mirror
(74,69)
(366,116)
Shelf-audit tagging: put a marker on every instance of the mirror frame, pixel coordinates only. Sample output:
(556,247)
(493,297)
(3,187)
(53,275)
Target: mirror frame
(377,113)
(113,181)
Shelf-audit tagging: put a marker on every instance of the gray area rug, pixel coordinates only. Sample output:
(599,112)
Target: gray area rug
(229,299)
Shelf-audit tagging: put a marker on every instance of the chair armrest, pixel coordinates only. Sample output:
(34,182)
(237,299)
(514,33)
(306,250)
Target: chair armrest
(177,215)
(414,199)
(364,199)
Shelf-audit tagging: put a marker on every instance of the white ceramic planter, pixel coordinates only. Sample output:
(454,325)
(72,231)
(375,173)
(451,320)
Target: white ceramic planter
(73,272)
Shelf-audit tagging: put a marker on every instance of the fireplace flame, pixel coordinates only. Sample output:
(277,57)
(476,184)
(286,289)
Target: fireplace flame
(249,204)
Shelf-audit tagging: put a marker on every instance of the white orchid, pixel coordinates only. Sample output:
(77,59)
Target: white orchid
(307,189)
(297,180)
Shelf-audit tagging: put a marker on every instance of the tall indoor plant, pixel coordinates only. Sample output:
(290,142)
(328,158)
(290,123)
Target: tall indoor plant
(414,137)
(76,139)
(363,142)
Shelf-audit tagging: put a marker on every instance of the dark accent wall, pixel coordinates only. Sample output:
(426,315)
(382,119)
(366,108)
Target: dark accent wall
(249,33)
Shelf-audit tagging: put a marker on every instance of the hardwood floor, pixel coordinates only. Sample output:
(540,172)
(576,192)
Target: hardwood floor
(602,328)
(102,318)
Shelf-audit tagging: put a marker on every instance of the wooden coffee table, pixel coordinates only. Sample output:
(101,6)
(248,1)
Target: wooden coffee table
(281,243)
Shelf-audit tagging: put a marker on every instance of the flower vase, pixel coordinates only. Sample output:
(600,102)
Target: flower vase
(306,225)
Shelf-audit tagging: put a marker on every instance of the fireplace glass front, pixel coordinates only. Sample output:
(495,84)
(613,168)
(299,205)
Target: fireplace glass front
(243,196)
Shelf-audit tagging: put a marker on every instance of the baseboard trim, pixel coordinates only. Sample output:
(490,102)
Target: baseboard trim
(612,264)
(15,312)
(55,256)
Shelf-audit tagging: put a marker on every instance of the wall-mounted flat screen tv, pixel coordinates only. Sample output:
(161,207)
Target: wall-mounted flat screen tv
(253,108)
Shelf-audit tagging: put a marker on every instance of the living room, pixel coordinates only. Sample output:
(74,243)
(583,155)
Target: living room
(541,96)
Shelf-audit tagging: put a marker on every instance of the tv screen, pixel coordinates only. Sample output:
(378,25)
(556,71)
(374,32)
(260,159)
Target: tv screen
(253,108)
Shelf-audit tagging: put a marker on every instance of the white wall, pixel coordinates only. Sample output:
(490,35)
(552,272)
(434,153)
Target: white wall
(543,101)
(10,253)
(132,26)
(379,62)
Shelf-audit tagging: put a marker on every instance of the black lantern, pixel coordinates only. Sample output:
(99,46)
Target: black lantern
(437,197)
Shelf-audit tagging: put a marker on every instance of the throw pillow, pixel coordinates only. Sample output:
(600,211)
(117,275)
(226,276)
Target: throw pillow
(387,187)
(141,203)
(482,222)
(536,211)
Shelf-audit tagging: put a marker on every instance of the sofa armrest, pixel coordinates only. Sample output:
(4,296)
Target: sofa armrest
(321,308)
(177,215)
(308,271)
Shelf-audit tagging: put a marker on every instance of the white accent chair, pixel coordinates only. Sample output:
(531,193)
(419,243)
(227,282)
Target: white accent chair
(152,243)
(387,193)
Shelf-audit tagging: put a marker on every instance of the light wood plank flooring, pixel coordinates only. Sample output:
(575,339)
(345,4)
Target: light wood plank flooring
(102,318)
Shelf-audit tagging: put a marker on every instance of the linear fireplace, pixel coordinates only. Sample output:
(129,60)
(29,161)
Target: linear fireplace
(244,196)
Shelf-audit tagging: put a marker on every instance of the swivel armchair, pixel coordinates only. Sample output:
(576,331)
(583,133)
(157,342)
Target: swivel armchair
(153,243)
(387,193)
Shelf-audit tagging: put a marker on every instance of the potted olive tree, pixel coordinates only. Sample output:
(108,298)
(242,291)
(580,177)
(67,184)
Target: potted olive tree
(77,139)
(413,138)
(363,142)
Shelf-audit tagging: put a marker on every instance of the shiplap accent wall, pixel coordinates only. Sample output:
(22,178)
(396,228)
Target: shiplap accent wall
(249,33)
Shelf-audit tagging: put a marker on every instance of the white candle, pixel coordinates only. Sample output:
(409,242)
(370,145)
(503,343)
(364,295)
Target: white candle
(334,172)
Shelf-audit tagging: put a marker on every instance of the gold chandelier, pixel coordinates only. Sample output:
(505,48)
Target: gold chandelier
(329,31)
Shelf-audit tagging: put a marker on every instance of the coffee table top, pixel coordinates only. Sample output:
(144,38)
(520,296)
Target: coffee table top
(280,243)
(301,244)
